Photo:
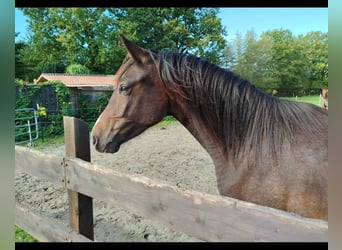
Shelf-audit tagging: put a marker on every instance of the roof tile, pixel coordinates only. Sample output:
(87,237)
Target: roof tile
(77,80)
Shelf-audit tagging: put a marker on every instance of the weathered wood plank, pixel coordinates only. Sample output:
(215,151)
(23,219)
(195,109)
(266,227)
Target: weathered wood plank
(76,137)
(208,217)
(36,163)
(205,216)
(45,229)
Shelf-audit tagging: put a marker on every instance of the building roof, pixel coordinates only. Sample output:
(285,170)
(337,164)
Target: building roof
(78,80)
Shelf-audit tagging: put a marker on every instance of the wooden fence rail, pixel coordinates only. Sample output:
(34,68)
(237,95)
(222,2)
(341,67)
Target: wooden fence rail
(207,217)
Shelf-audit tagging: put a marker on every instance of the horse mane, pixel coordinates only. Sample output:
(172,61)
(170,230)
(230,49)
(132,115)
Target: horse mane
(243,117)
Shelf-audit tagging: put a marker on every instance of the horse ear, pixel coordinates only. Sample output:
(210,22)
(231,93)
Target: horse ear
(137,53)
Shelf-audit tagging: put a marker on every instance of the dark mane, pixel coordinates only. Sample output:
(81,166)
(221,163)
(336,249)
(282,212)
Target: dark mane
(242,116)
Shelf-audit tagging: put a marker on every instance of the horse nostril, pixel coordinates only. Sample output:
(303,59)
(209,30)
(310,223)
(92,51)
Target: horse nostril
(94,140)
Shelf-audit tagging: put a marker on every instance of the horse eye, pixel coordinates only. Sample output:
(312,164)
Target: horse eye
(123,87)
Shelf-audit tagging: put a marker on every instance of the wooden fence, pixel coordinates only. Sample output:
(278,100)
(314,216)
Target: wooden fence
(207,217)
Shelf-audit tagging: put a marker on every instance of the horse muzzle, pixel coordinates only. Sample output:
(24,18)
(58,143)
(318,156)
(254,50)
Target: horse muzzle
(111,146)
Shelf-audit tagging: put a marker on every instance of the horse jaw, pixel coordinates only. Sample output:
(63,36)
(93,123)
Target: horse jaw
(109,141)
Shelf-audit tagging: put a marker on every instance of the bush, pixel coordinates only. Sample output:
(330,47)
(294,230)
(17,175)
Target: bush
(52,108)
(50,118)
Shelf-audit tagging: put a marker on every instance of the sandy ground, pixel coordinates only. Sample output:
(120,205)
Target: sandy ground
(169,153)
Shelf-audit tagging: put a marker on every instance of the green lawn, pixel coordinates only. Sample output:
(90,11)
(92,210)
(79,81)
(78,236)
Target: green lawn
(314,99)
(22,236)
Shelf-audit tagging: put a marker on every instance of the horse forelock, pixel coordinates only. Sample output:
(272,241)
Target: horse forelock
(241,116)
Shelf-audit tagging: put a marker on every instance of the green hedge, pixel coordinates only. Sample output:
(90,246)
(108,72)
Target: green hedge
(56,104)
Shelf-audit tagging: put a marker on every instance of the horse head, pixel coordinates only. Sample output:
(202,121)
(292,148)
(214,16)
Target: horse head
(138,100)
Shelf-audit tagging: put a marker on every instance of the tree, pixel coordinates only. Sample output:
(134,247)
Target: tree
(315,46)
(184,30)
(288,62)
(19,66)
(77,69)
(250,58)
(64,36)
(41,53)
(247,62)
(22,70)
(279,61)
(89,36)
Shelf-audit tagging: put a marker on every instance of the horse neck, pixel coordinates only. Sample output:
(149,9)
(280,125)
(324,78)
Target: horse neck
(226,173)
(191,120)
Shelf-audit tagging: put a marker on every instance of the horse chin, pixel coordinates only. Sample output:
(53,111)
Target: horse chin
(107,149)
(113,145)
(111,148)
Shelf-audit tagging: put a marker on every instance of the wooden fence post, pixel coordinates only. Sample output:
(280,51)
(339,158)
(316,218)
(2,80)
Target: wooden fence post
(76,136)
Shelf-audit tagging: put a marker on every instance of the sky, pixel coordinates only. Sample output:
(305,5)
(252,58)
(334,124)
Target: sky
(299,21)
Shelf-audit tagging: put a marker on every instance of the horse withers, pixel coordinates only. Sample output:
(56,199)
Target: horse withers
(266,150)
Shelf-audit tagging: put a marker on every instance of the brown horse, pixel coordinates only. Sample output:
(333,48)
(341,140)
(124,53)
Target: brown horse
(325,97)
(266,150)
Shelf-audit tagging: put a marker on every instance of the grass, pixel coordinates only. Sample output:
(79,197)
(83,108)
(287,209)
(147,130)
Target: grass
(168,120)
(22,236)
(54,140)
(314,99)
